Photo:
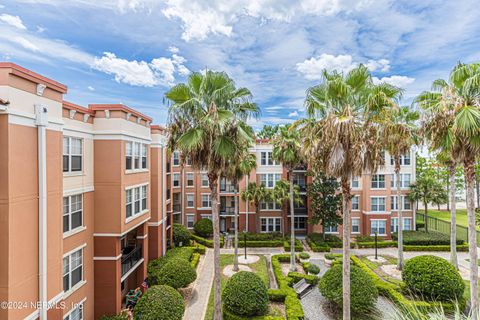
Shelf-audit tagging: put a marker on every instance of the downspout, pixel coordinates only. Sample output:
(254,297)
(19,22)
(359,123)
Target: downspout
(41,121)
(164,206)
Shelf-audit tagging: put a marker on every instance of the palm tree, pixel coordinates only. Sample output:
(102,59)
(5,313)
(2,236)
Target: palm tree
(255,194)
(281,195)
(288,150)
(241,165)
(452,115)
(213,112)
(344,137)
(400,134)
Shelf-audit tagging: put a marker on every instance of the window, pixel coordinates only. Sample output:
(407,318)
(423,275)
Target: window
(331,229)
(266,159)
(270,179)
(378,226)
(72,212)
(300,223)
(135,200)
(75,314)
(377,204)
(378,181)
(72,269)
(394,203)
(205,182)
(190,221)
(176,158)
(299,180)
(355,182)
(189,179)
(404,160)
(176,179)
(135,156)
(355,225)
(270,205)
(404,180)
(355,203)
(72,154)
(270,224)
(206,201)
(407,224)
(190,200)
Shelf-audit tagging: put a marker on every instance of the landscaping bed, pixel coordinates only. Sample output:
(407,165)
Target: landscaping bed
(206,242)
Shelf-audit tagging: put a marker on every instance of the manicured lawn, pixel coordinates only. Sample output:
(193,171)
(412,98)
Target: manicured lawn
(445,215)
(259,267)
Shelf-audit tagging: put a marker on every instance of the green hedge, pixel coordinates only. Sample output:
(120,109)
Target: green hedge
(206,242)
(462,248)
(176,273)
(392,292)
(317,248)
(422,238)
(195,260)
(180,235)
(178,253)
(293,307)
(260,244)
(298,245)
(304,255)
(277,295)
(160,302)
(296,276)
(227,315)
(369,245)
(263,236)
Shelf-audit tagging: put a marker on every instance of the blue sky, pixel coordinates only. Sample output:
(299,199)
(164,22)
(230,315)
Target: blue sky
(132,51)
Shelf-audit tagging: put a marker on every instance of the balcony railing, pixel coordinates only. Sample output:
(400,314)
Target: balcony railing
(168,167)
(227,210)
(131,258)
(177,207)
(226,187)
(168,194)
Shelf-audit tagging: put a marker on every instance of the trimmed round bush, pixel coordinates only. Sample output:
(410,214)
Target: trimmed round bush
(203,227)
(176,273)
(245,294)
(181,235)
(363,293)
(433,278)
(160,302)
(313,269)
(304,255)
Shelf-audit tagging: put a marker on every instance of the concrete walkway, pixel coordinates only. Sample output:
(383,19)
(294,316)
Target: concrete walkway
(197,305)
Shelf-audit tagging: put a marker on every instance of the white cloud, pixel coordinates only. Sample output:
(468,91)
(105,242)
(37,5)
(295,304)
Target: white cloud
(14,21)
(399,81)
(25,43)
(312,68)
(173,49)
(91,88)
(293,114)
(40,29)
(165,67)
(382,65)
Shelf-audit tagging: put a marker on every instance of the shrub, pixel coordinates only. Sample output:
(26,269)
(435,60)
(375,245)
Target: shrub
(195,260)
(304,255)
(180,252)
(260,243)
(245,294)
(333,256)
(205,242)
(263,236)
(296,277)
(298,245)
(203,227)
(121,316)
(367,239)
(380,244)
(160,302)
(181,235)
(363,293)
(176,273)
(433,278)
(421,238)
(313,269)
(460,248)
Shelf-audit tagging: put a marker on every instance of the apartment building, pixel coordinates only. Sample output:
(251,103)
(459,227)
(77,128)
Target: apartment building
(83,200)
(374,206)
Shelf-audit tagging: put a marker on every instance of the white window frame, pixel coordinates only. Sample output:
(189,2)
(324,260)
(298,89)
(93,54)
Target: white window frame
(377,227)
(378,204)
(192,200)
(356,224)
(270,224)
(209,200)
(404,183)
(296,223)
(70,212)
(139,196)
(394,224)
(205,179)
(192,175)
(270,179)
(376,182)
(138,154)
(175,158)
(331,230)
(266,159)
(394,203)
(69,272)
(355,183)
(357,203)
(70,154)
(78,307)
(270,206)
(176,178)
(403,160)
(192,221)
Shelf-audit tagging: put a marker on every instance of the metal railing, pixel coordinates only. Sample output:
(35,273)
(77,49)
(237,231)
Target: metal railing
(176,207)
(227,187)
(130,259)
(227,210)
(443,226)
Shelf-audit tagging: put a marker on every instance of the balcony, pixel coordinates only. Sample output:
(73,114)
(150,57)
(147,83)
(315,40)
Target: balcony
(130,257)
(227,211)
(168,194)
(226,186)
(302,187)
(177,207)
(168,167)
(301,167)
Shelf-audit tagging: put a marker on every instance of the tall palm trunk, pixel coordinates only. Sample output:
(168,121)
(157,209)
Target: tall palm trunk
(182,211)
(453,216)
(400,214)
(246,205)
(346,247)
(292,225)
(217,302)
(469,167)
(425,203)
(235,252)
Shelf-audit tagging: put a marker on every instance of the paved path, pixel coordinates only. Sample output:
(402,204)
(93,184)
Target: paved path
(197,305)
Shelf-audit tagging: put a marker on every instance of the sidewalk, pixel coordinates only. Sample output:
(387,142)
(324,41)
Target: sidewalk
(198,303)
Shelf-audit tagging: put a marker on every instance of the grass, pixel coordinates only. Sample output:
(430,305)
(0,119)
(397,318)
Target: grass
(259,267)
(445,215)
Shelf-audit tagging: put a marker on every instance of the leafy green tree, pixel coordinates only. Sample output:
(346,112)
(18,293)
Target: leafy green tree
(326,200)
(207,118)
(452,119)
(342,135)
(288,150)
(281,194)
(268,131)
